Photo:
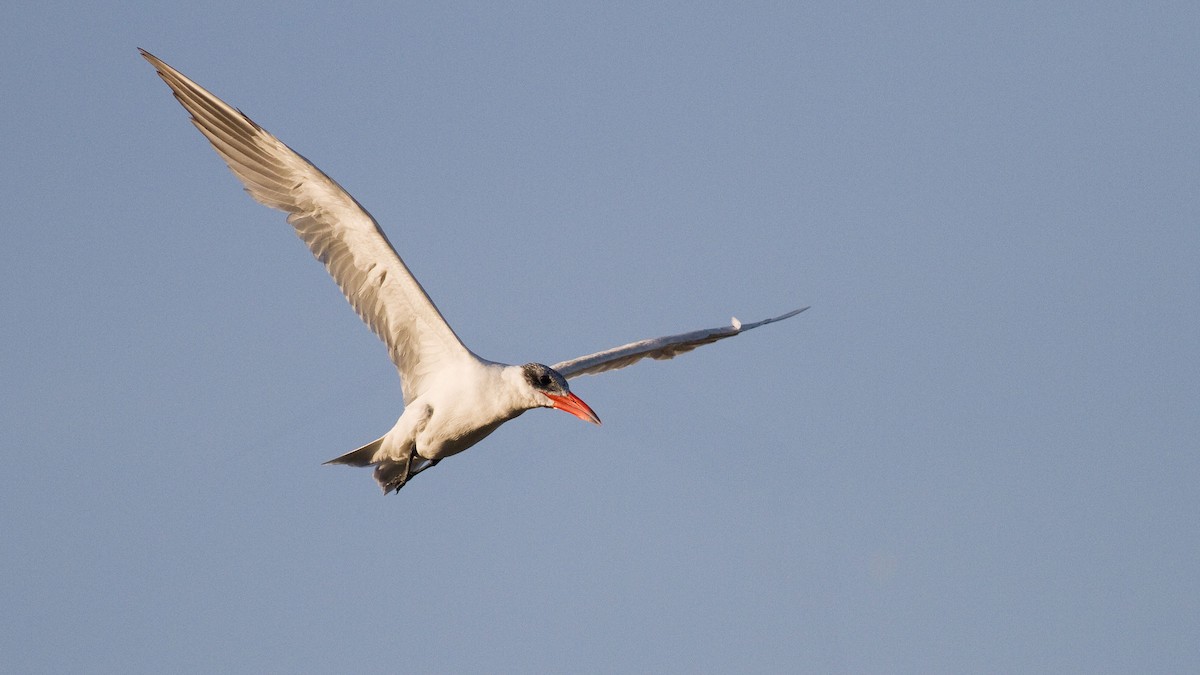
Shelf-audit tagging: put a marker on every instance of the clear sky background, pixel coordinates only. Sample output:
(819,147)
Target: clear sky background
(976,452)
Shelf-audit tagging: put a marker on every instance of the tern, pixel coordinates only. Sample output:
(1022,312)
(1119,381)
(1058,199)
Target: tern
(452,398)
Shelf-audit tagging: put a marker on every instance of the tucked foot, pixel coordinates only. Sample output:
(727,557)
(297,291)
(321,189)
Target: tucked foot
(392,476)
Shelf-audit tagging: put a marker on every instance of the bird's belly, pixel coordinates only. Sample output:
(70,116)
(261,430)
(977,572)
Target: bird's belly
(438,441)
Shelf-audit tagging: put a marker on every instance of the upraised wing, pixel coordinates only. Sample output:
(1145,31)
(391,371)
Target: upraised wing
(667,347)
(338,231)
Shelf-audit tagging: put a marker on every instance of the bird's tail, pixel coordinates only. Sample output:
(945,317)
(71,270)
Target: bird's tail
(364,456)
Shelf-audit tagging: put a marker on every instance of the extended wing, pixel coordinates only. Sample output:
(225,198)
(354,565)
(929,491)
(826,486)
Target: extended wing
(667,347)
(338,231)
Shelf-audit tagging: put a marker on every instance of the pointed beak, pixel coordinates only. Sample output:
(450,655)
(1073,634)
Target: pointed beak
(574,405)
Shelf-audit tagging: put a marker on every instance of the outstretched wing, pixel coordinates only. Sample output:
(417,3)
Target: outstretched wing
(667,347)
(338,231)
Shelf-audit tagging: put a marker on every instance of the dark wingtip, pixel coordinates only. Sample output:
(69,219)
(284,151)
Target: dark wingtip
(739,327)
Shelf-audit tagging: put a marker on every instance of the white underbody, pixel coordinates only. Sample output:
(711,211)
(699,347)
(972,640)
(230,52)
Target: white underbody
(468,403)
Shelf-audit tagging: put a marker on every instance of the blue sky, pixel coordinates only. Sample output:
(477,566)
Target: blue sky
(977,452)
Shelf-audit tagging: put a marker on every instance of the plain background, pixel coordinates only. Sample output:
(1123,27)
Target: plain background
(976,452)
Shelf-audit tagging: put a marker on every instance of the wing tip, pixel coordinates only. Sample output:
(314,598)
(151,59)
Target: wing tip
(739,327)
(154,60)
(792,313)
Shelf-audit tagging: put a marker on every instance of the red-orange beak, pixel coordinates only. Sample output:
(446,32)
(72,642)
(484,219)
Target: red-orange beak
(574,405)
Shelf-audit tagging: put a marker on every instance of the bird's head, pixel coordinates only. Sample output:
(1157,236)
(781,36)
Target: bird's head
(551,391)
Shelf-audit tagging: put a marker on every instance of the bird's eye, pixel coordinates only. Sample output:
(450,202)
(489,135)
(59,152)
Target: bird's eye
(543,380)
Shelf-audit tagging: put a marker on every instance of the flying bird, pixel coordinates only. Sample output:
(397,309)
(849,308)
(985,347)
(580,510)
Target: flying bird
(452,398)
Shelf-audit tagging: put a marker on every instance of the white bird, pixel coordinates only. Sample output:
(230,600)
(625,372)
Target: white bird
(452,398)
